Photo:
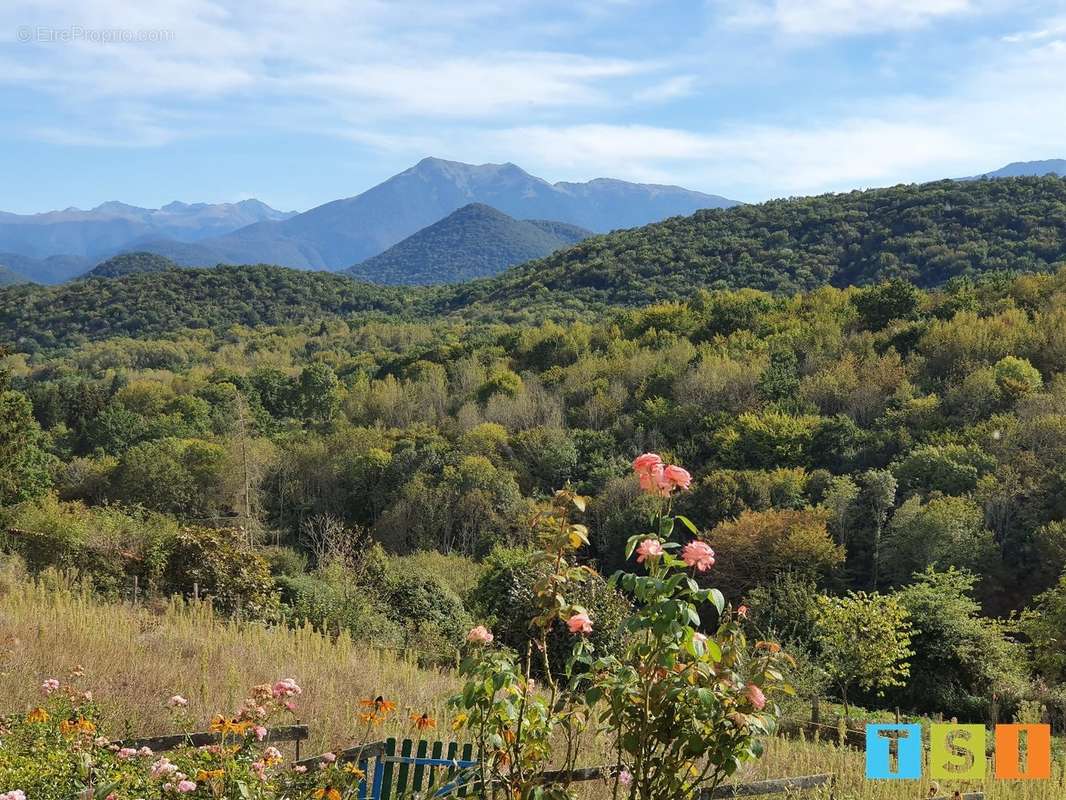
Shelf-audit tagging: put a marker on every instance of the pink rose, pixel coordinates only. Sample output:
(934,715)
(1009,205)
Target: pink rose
(756,697)
(674,477)
(286,687)
(649,548)
(125,753)
(186,786)
(299,769)
(260,732)
(579,623)
(14,794)
(49,686)
(625,777)
(647,463)
(479,635)
(699,555)
(177,701)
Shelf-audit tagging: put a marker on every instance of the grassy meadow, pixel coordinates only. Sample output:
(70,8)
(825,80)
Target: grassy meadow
(134,657)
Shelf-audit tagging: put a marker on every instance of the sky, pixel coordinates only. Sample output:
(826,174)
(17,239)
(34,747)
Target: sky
(298,102)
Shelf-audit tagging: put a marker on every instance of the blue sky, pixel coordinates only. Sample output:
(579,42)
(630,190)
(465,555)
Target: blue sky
(298,102)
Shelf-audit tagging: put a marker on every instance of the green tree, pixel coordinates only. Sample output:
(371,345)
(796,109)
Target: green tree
(864,642)
(25,467)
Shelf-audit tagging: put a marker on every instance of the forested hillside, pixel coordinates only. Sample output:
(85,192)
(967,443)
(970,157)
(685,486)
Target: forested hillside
(882,438)
(476,241)
(152,304)
(925,233)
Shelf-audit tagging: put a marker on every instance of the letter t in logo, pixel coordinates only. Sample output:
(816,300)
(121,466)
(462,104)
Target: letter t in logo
(893,752)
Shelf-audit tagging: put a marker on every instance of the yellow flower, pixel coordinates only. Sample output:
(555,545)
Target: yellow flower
(207,775)
(354,771)
(226,726)
(459,721)
(72,726)
(37,715)
(327,793)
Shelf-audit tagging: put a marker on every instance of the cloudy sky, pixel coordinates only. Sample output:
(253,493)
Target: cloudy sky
(298,102)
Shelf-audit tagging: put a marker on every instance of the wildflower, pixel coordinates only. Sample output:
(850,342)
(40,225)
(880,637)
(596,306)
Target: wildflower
(209,774)
(177,701)
(286,687)
(78,671)
(649,548)
(162,768)
(458,721)
(698,554)
(423,721)
(625,777)
(479,635)
(186,786)
(272,756)
(299,769)
(328,758)
(379,704)
(354,771)
(221,724)
(79,725)
(756,697)
(14,794)
(328,793)
(742,612)
(125,753)
(579,623)
(145,752)
(260,733)
(37,715)
(49,686)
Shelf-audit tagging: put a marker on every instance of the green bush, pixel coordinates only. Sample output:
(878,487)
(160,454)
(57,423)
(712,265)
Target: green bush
(505,597)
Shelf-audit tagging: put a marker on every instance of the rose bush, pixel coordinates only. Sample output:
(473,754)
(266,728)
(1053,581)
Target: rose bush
(681,707)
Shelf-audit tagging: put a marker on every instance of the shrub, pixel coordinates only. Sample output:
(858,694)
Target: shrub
(226,569)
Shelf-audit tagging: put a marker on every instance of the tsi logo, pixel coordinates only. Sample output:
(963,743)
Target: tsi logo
(894,752)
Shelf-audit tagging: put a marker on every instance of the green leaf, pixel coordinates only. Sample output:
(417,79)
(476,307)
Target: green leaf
(688,524)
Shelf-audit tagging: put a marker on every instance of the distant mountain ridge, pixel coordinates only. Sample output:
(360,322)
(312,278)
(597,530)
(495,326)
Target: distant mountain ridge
(345,232)
(1020,169)
(86,236)
(476,241)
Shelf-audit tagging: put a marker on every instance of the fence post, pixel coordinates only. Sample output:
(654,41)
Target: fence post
(298,744)
(196,591)
(816,711)
(135,589)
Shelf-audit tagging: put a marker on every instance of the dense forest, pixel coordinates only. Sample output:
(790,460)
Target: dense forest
(883,439)
(927,233)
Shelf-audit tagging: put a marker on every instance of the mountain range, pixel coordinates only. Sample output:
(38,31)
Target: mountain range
(338,234)
(960,232)
(474,242)
(85,237)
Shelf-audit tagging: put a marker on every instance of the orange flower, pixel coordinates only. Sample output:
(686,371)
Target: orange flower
(423,721)
(227,726)
(37,715)
(327,793)
(71,726)
(207,775)
(354,771)
(379,704)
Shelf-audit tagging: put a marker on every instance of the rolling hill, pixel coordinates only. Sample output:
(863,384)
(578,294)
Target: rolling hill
(8,277)
(345,232)
(474,242)
(925,233)
(130,264)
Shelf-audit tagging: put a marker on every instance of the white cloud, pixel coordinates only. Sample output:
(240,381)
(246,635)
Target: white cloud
(824,18)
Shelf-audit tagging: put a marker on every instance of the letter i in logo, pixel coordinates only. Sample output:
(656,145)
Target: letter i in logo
(893,752)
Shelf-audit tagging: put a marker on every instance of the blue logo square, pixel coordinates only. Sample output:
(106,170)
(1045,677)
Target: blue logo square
(893,752)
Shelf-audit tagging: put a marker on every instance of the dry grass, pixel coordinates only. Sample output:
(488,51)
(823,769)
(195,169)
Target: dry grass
(135,657)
